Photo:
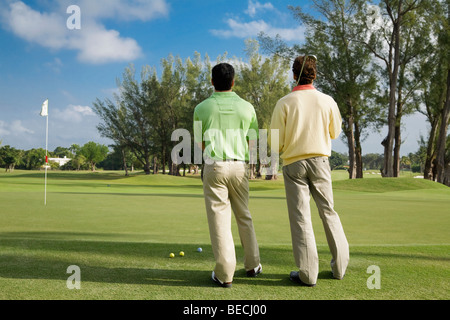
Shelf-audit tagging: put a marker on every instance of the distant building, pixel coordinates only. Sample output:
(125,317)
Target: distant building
(60,161)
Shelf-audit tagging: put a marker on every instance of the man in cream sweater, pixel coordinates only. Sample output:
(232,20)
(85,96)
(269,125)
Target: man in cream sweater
(307,120)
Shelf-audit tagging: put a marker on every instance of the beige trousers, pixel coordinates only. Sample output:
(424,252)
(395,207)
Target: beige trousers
(225,187)
(300,179)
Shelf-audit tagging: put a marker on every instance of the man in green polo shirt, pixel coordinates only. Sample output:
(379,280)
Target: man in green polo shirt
(228,124)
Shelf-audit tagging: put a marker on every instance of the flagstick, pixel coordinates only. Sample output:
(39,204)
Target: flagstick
(45,192)
(46,162)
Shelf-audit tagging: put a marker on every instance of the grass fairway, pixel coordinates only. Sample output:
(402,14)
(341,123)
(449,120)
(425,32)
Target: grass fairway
(120,230)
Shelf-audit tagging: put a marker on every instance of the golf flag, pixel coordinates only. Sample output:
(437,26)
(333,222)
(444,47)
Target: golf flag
(44,113)
(44,110)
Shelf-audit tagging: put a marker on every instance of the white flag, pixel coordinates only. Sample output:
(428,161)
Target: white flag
(44,111)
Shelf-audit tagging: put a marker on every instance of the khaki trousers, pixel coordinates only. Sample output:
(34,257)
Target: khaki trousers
(225,187)
(302,178)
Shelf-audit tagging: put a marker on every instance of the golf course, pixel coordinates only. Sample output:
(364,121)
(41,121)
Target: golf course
(119,231)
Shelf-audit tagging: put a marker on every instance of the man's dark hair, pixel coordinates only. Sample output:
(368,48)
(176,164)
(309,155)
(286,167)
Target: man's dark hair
(222,76)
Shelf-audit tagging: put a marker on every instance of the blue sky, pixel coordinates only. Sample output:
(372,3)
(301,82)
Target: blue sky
(41,58)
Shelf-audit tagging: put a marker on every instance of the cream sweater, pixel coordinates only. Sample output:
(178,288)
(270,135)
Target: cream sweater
(307,120)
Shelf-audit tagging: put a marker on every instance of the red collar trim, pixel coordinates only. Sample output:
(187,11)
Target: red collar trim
(304,87)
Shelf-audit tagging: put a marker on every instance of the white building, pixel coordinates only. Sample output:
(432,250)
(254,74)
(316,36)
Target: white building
(60,161)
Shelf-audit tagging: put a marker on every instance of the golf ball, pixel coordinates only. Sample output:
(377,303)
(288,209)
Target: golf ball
(171,255)
(199,250)
(181,254)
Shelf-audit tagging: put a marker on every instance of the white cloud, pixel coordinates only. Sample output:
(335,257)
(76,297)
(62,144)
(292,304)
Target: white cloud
(110,92)
(269,23)
(73,113)
(93,42)
(4,130)
(257,6)
(15,128)
(73,124)
(55,65)
(84,110)
(98,45)
(126,10)
(253,28)
(46,29)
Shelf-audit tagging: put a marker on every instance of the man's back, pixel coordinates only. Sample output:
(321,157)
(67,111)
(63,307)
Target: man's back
(307,120)
(226,121)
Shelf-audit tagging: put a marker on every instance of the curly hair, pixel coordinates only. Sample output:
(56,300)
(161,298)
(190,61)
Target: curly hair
(309,70)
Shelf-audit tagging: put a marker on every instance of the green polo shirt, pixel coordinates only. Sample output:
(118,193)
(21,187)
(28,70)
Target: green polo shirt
(227,124)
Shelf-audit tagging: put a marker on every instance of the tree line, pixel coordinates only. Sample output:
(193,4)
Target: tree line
(81,157)
(380,62)
(92,156)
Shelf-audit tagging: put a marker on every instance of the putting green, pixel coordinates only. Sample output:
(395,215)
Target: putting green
(120,230)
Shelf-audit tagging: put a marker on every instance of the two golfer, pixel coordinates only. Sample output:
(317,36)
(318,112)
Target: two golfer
(307,120)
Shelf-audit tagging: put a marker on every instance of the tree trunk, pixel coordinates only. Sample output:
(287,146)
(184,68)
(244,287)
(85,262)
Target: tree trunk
(171,170)
(431,151)
(358,152)
(124,162)
(155,165)
(175,169)
(163,157)
(440,148)
(398,123)
(447,175)
(388,143)
(147,167)
(258,171)
(251,173)
(351,157)
(398,142)
(349,133)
